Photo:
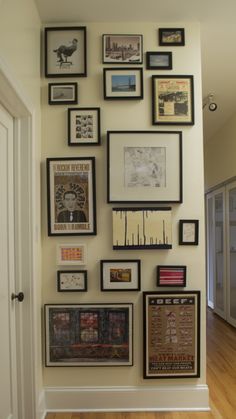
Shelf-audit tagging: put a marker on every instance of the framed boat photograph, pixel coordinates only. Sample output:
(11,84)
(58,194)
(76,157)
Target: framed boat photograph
(120,275)
(122,49)
(123,83)
(62,93)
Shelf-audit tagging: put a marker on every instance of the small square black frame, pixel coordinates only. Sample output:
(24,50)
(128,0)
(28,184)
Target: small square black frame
(191,241)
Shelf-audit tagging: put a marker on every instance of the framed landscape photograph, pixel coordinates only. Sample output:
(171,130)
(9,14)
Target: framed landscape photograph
(122,49)
(65,51)
(188,232)
(171,276)
(62,93)
(172,37)
(123,83)
(149,164)
(120,275)
(85,335)
(71,281)
(71,254)
(84,126)
(142,228)
(171,334)
(172,100)
(158,60)
(71,196)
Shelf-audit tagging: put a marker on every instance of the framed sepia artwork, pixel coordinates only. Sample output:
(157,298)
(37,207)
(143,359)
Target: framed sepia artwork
(71,281)
(172,37)
(156,60)
(71,254)
(171,334)
(172,100)
(188,232)
(65,51)
(84,126)
(123,83)
(120,275)
(62,93)
(149,164)
(122,49)
(171,276)
(142,228)
(89,335)
(71,196)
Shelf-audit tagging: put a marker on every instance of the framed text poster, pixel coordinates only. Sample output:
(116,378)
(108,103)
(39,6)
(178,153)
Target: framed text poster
(171,334)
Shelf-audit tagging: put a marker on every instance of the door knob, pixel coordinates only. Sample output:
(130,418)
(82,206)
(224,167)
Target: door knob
(20,297)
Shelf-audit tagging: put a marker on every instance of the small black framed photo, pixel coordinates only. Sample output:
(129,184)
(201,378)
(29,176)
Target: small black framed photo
(188,232)
(158,60)
(171,36)
(65,51)
(171,276)
(122,49)
(71,281)
(84,126)
(120,275)
(123,83)
(62,93)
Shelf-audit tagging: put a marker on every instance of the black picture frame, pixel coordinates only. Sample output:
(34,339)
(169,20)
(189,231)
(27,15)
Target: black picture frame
(172,37)
(62,93)
(84,126)
(171,275)
(65,51)
(71,196)
(123,83)
(188,232)
(72,281)
(120,274)
(122,49)
(159,60)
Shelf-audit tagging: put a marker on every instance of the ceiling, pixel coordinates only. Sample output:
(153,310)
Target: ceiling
(218,38)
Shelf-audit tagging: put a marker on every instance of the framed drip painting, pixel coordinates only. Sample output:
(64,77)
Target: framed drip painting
(89,335)
(120,275)
(122,49)
(71,196)
(144,166)
(171,334)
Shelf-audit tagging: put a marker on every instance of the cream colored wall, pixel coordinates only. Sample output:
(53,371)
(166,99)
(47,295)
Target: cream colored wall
(125,115)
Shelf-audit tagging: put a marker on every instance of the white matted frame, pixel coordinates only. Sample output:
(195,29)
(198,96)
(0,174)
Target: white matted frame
(71,254)
(123,83)
(120,275)
(84,126)
(71,281)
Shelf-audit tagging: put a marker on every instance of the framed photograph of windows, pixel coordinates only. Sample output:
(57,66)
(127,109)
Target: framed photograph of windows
(171,276)
(89,335)
(171,334)
(65,51)
(188,232)
(71,281)
(71,254)
(123,83)
(144,166)
(71,196)
(122,49)
(172,100)
(62,93)
(158,60)
(84,126)
(120,275)
(172,37)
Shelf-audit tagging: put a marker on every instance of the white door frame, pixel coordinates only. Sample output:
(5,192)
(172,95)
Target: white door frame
(15,102)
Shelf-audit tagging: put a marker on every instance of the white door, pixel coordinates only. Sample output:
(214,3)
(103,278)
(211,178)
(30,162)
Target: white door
(231,252)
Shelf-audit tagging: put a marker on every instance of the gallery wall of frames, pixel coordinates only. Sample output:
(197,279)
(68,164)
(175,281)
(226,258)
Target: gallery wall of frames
(122,204)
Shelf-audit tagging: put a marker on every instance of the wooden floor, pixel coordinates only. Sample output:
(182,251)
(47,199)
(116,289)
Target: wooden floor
(221,379)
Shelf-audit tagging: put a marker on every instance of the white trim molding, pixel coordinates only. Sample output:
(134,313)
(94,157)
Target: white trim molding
(112,399)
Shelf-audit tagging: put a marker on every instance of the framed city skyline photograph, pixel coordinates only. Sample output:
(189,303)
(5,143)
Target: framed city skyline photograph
(71,281)
(122,49)
(123,83)
(120,274)
(171,36)
(83,126)
(158,60)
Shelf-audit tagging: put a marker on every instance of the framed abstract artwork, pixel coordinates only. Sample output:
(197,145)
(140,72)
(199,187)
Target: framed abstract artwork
(171,276)
(71,254)
(188,232)
(71,281)
(120,275)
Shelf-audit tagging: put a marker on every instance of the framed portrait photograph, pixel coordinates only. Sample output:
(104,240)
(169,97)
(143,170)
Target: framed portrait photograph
(172,100)
(120,275)
(123,83)
(171,334)
(62,93)
(71,254)
(85,335)
(122,49)
(142,228)
(172,36)
(144,166)
(71,196)
(188,232)
(71,281)
(84,126)
(171,276)
(65,51)
(156,60)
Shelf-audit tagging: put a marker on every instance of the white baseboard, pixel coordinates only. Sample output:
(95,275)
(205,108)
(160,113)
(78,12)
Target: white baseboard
(179,398)
(41,411)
